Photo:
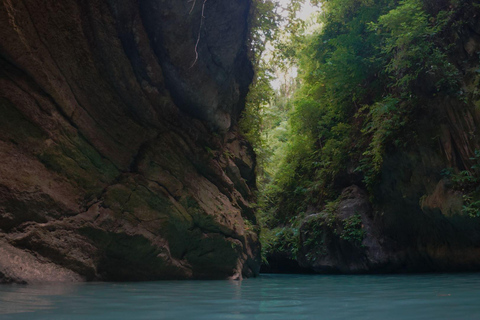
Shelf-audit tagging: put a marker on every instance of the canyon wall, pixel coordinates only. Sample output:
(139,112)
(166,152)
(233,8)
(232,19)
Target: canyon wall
(415,219)
(121,159)
(390,186)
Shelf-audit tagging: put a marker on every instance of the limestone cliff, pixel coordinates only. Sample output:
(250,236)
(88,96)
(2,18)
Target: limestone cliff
(120,155)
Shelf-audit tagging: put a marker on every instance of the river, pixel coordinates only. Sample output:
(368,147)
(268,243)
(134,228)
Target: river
(322,297)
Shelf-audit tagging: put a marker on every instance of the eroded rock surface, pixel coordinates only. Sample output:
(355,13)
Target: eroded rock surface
(120,155)
(345,239)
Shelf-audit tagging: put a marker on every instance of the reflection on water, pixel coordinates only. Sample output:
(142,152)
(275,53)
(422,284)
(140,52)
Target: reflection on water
(437,296)
(21,298)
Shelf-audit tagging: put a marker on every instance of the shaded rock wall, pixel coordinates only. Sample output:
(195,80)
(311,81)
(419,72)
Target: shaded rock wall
(345,239)
(413,219)
(120,155)
(421,208)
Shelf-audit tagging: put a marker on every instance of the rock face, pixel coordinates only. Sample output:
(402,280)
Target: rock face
(120,155)
(413,220)
(345,239)
(417,202)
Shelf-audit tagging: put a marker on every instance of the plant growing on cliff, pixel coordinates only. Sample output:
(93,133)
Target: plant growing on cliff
(353,229)
(280,240)
(360,75)
(468,182)
(471,205)
(314,239)
(364,78)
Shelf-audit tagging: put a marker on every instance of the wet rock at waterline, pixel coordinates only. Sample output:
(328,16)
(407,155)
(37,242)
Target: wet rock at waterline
(356,237)
(344,238)
(120,155)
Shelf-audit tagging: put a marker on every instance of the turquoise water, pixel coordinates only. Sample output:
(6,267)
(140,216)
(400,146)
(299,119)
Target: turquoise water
(324,297)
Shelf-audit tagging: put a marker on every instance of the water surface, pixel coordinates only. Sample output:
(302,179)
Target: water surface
(323,297)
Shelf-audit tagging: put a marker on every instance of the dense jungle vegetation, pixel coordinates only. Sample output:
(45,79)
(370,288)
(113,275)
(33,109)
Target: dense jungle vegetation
(365,70)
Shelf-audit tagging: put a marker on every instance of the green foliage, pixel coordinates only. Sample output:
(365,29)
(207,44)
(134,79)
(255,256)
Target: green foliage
(468,182)
(337,76)
(264,22)
(382,121)
(264,29)
(251,123)
(471,206)
(410,49)
(314,239)
(353,229)
(367,63)
(280,240)
(363,78)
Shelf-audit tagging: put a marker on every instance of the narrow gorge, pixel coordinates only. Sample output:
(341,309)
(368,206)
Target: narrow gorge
(131,139)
